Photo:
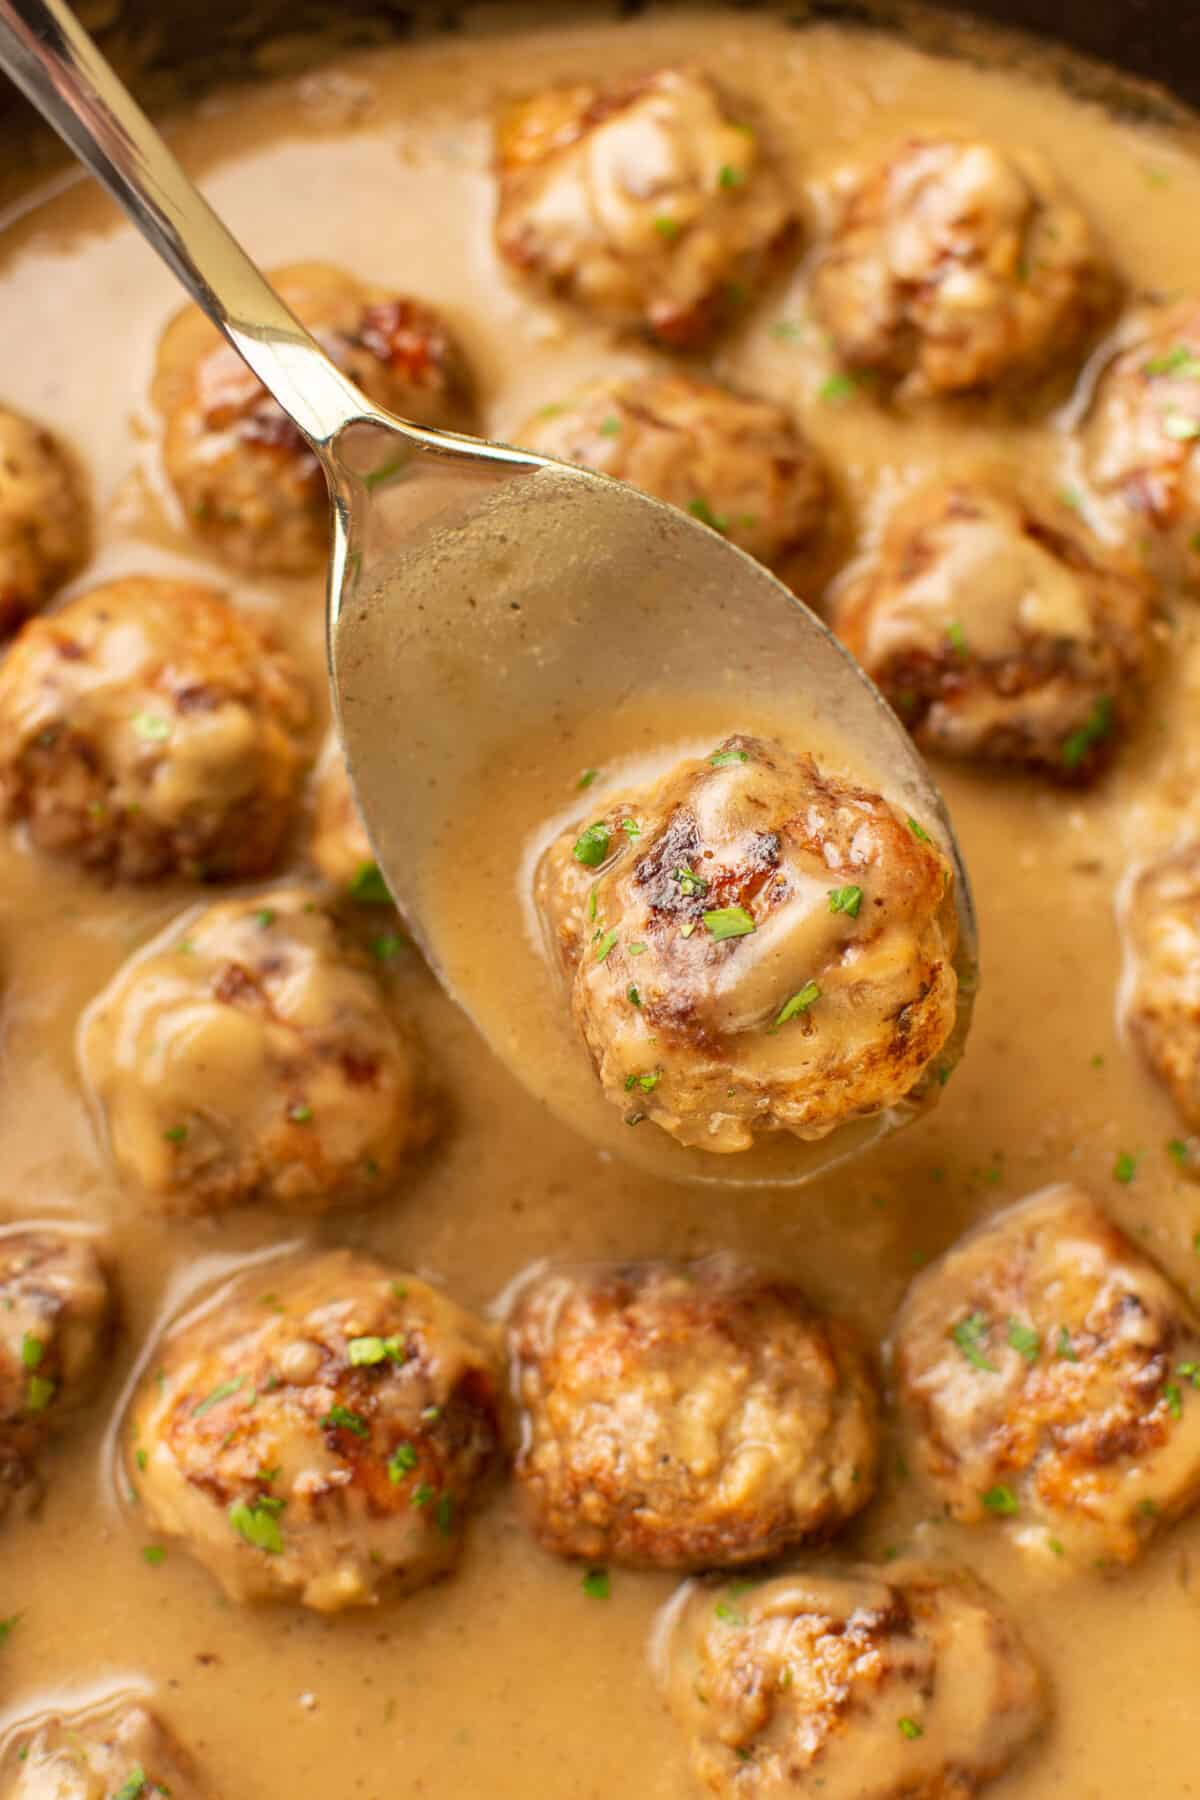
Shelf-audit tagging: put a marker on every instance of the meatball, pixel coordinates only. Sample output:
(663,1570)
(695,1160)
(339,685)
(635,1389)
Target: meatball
(687,1416)
(147,730)
(243,474)
(44,523)
(1139,435)
(57,1319)
(955,265)
(1046,1369)
(322,1441)
(340,847)
(1001,630)
(126,1754)
(905,1683)
(249,1054)
(741,465)
(1161,920)
(651,203)
(754,945)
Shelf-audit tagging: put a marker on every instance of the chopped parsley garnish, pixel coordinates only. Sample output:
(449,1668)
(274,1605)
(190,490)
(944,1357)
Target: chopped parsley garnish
(956,637)
(637,949)
(176,1134)
(700,509)
(1125,1167)
(151,726)
(728,922)
(258,1522)
(421,1496)
(1064,1349)
(1179,360)
(264,916)
(647,1083)
(141,1458)
(910,1729)
(379,477)
(340,1418)
(587,778)
(133,1786)
(154,1555)
(386,948)
(1024,1340)
(1174,1400)
(1190,1371)
(591,847)
(401,1462)
(632,995)
(224,1392)
(970,1335)
(721,759)
(918,831)
(837,388)
(606,943)
(1095,728)
(611,426)
(444,1514)
(364,1352)
(845,900)
(369,887)
(788,329)
(1001,1499)
(591,905)
(1181,428)
(799,1003)
(595,1584)
(666,226)
(1177,1150)
(690,883)
(731,176)
(32,1350)
(631,828)
(301,1113)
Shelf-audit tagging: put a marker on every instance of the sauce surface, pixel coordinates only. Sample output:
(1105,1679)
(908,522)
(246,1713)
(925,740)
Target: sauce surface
(509,1679)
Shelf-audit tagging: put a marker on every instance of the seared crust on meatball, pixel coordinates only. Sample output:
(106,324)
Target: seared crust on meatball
(1140,432)
(319,1436)
(250,1054)
(44,517)
(1160,916)
(754,945)
(956,265)
(99,1755)
(905,1683)
(339,846)
(244,476)
(57,1318)
(740,464)
(147,730)
(1000,629)
(687,1416)
(1047,1372)
(650,203)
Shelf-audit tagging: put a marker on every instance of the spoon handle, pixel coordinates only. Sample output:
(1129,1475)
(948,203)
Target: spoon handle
(47,53)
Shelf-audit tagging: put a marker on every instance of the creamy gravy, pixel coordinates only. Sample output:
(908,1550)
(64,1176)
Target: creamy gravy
(509,1680)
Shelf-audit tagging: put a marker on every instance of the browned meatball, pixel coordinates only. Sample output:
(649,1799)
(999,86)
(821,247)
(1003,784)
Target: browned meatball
(687,1416)
(339,846)
(740,464)
(754,945)
(956,265)
(147,729)
(1161,920)
(905,1683)
(245,478)
(57,1318)
(126,1754)
(1047,1369)
(44,522)
(320,1435)
(1000,629)
(1140,432)
(650,203)
(250,1054)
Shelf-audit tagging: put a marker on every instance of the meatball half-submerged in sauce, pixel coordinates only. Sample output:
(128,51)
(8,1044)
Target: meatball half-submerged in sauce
(740,464)
(905,1683)
(1000,629)
(126,1754)
(246,479)
(57,1319)
(319,1435)
(955,266)
(339,846)
(755,946)
(652,203)
(1047,1370)
(1161,920)
(44,517)
(250,1053)
(687,1416)
(148,730)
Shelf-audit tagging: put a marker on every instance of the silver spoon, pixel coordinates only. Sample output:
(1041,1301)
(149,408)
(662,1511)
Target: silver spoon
(479,595)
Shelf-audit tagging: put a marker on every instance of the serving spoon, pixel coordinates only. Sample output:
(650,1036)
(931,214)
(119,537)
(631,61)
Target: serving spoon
(477,593)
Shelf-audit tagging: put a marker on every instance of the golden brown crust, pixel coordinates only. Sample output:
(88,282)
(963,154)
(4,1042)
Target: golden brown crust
(649,202)
(1161,919)
(45,526)
(1047,1371)
(687,1416)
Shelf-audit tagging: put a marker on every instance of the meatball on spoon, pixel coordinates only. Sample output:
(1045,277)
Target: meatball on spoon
(478,593)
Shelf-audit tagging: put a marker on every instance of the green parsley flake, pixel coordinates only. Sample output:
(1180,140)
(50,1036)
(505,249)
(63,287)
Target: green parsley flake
(1064,1349)
(421,1496)
(918,831)
(788,330)
(700,509)
(340,1418)
(401,1462)
(301,1113)
(969,1335)
(845,900)
(368,886)
(176,1134)
(8,1626)
(386,948)
(1001,1500)
(225,1391)
(637,949)
(1181,428)
(1174,1400)
(1179,360)
(591,847)
(1096,727)
(154,1555)
(631,828)
(666,226)
(133,1786)
(647,1083)
(956,637)
(595,1584)
(444,1514)
(1125,1167)
(721,759)
(611,426)
(728,922)
(731,176)
(910,1729)
(151,727)
(690,884)
(1024,1340)
(606,943)
(383,474)
(799,1003)
(32,1350)
(365,1352)
(587,778)
(264,917)
(1190,1371)
(1177,1150)
(632,995)
(258,1522)
(838,388)
(141,1458)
